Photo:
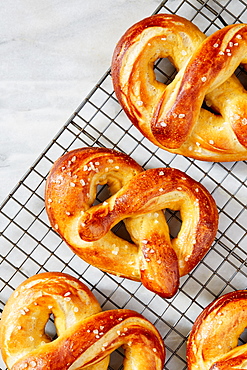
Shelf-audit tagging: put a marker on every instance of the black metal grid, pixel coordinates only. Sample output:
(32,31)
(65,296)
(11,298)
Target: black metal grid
(29,246)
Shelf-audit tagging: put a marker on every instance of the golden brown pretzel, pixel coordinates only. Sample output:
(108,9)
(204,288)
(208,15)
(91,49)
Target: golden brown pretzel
(86,336)
(172,116)
(213,341)
(139,199)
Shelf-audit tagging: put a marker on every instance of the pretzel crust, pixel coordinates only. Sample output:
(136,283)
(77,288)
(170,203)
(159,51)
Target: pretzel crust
(86,336)
(138,199)
(171,116)
(213,341)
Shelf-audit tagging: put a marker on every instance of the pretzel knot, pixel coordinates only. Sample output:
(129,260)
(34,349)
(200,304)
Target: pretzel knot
(213,341)
(86,336)
(173,116)
(138,198)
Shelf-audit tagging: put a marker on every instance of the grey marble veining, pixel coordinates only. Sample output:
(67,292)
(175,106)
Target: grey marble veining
(52,54)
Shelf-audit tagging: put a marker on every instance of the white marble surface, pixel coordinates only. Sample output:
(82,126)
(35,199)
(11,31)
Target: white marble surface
(52,54)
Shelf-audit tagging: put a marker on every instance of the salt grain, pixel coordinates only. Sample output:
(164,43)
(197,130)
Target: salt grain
(139,102)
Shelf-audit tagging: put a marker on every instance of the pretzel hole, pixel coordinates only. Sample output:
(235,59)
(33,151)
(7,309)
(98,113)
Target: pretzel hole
(243,338)
(241,73)
(174,221)
(121,231)
(50,328)
(164,70)
(103,193)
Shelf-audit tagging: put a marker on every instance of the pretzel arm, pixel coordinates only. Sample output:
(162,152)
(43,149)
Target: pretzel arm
(150,191)
(234,360)
(132,68)
(95,338)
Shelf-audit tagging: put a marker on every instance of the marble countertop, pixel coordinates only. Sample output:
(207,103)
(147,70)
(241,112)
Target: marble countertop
(52,54)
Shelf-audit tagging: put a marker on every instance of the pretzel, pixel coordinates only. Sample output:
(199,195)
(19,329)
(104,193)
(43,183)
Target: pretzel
(138,198)
(213,341)
(173,116)
(86,335)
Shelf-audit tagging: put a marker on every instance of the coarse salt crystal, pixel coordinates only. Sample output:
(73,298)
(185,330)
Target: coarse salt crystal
(115,251)
(139,102)
(163,124)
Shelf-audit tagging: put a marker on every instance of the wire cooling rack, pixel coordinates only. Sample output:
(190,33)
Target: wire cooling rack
(29,246)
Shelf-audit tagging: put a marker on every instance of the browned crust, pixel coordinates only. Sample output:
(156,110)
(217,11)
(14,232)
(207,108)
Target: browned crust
(213,340)
(173,117)
(139,198)
(86,339)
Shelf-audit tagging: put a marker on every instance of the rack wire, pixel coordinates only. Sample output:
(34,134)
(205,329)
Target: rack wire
(28,245)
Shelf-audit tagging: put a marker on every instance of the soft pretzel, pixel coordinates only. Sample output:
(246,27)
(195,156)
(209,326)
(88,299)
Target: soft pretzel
(213,341)
(86,335)
(173,116)
(139,198)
